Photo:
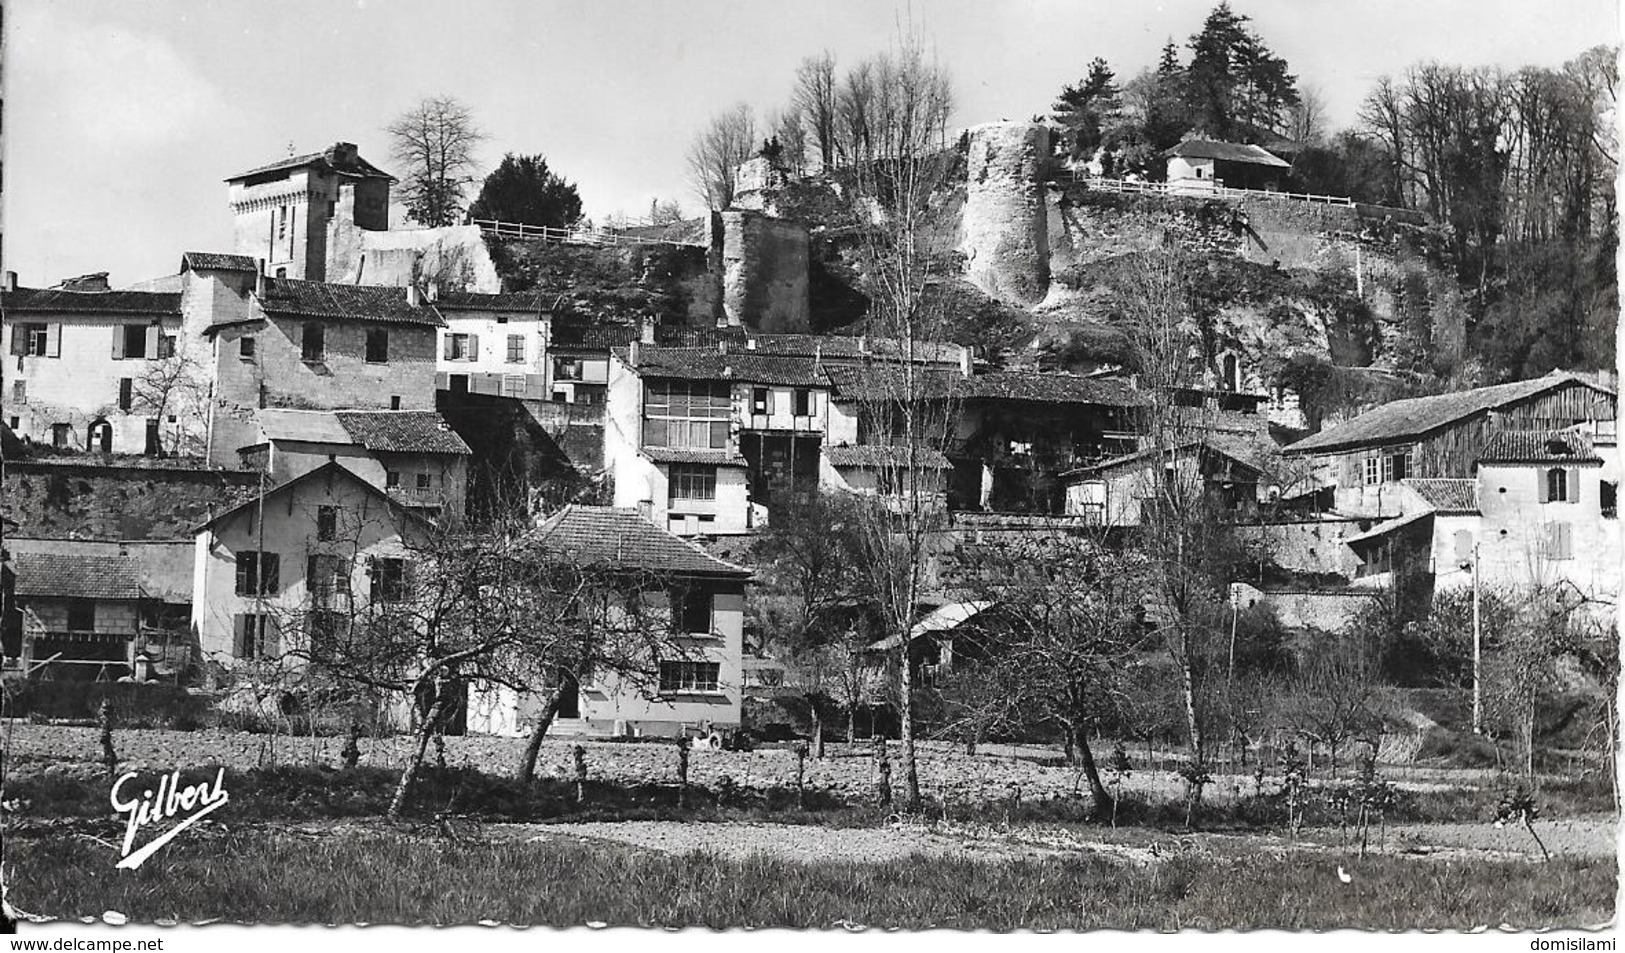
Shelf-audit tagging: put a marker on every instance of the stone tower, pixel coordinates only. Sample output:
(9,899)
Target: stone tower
(1006,235)
(302,215)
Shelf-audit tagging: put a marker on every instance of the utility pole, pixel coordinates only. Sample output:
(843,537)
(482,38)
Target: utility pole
(1478,698)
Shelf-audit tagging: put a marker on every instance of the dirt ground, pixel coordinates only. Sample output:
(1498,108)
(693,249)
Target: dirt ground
(847,771)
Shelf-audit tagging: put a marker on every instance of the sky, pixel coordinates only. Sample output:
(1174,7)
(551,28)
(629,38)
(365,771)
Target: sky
(123,119)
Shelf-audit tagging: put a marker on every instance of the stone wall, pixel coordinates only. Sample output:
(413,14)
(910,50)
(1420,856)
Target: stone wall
(139,501)
(1005,223)
(1311,547)
(764,271)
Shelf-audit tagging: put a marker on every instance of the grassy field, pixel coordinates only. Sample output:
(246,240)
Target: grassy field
(275,878)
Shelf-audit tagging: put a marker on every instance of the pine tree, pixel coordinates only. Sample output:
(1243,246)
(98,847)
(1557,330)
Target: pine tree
(525,191)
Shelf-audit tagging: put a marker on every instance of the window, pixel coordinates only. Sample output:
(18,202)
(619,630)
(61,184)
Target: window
(690,676)
(424,481)
(166,346)
(395,402)
(258,573)
(13,422)
(516,349)
(377,346)
(1609,496)
(327,523)
(462,347)
(1559,541)
(691,611)
(132,342)
(388,579)
(687,414)
(693,482)
(326,628)
(326,576)
(282,222)
(245,348)
(1396,466)
(1373,471)
(19,393)
(36,340)
(392,479)
(801,406)
(126,393)
(761,401)
(61,435)
(1561,486)
(255,636)
(314,346)
(81,615)
(566,369)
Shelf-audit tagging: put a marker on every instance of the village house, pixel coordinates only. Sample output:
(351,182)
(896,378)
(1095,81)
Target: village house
(1364,461)
(493,344)
(1122,491)
(309,345)
(101,610)
(1198,166)
(412,455)
(295,563)
(92,369)
(700,597)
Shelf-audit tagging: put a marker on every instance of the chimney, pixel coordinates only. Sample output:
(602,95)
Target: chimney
(632,354)
(863,344)
(750,344)
(434,292)
(722,346)
(413,298)
(259,278)
(11,281)
(647,331)
(646,510)
(964,360)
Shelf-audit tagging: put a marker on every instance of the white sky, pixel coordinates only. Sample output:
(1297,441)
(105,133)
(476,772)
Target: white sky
(122,119)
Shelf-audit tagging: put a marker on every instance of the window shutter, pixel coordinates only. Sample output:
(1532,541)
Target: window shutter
(153,333)
(473,347)
(270,643)
(770,401)
(19,339)
(1565,541)
(270,573)
(53,340)
(118,342)
(1573,481)
(1464,547)
(719,435)
(239,624)
(447,349)
(1545,482)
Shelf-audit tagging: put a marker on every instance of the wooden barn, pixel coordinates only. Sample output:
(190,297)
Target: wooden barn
(1444,435)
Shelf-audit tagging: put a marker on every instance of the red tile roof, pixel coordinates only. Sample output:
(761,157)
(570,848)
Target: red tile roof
(77,576)
(27,300)
(401,431)
(871,456)
(1538,446)
(718,458)
(217,261)
(316,299)
(1447,495)
(332,159)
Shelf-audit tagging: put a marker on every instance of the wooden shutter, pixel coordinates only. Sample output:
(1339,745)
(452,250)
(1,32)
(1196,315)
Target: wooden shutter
(770,401)
(270,573)
(239,627)
(19,339)
(1464,547)
(118,342)
(1573,481)
(473,347)
(153,334)
(1545,481)
(1565,541)
(448,342)
(53,340)
(270,640)
(126,393)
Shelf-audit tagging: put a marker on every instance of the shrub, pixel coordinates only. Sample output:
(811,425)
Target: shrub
(135,704)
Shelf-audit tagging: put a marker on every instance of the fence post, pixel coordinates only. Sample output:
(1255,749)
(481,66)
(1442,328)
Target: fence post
(801,773)
(882,773)
(580,754)
(104,717)
(682,771)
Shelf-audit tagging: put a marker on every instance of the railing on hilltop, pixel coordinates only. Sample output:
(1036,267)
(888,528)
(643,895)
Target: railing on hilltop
(571,236)
(1202,191)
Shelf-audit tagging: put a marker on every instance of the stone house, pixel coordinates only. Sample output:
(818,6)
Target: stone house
(307,345)
(1204,165)
(90,369)
(101,609)
(1118,491)
(701,688)
(493,344)
(412,455)
(1363,461)
(322,542)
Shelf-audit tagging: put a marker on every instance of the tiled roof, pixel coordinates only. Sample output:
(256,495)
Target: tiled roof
(1236,452)
(828,346)
(1538,446)
(90,302)
(217,261)
(718,458)
(77,576)
(698,363)
(1383,529)
(326,470)
(868,455)
(328,159)
(316,299)
(621,539)
(1447,495)
(1226,152)
(1051,389)
(531,301)
(882,383)
(1407,419)
(601,337)
(401,431)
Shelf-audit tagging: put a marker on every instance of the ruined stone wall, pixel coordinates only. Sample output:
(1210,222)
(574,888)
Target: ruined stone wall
(764,271)
(1005,224)
(62,497)
(454,257)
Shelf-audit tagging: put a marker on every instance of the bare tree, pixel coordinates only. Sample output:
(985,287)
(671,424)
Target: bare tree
(814,97)
(433,147)
(1306,121)
(175,386)
(716,153)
